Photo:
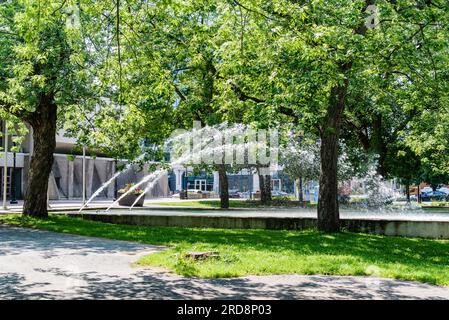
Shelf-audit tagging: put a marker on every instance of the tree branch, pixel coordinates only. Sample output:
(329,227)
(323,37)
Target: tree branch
(179,93)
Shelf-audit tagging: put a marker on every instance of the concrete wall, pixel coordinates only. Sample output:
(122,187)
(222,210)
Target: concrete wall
(66,178)
(202,221)
(135,174)
(423,229)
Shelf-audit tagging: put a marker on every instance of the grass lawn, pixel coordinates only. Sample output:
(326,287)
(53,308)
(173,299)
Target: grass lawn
(244,252)
(442,204)
(232,204)
(205,204)
(436,209)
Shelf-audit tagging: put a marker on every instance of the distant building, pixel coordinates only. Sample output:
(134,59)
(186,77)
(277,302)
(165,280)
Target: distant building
(67,174)
(182,178)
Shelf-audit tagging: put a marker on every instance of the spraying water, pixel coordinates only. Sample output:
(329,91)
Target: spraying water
(107,183)
(134,187)
(213,143)
(96,193)
(150,186)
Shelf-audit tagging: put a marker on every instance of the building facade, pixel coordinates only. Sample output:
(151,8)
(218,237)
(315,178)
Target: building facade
(66,178)
(245,181)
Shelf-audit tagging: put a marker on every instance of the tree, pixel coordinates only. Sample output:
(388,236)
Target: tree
(323,55)
(40,79)
(300,159)
(193,36)
(66,65)
(428,139)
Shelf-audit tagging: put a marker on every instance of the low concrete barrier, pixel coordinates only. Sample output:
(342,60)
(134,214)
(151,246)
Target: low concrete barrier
(405,228)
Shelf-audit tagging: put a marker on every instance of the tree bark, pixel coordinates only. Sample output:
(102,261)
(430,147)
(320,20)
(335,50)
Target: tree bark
(379,145)
(407,191)
(43,122)
(267,185)
(262,187)
(224,186)
(300,191)
(265,188)
(328,210)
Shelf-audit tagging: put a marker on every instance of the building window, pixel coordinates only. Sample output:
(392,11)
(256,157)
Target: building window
(200,184)
(276,184)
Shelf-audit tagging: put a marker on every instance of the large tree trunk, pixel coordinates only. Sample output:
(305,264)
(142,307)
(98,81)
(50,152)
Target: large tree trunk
(265,188)
(407,191)
(299,191)
(43,123)
(379,144)
(328,211)
(224,187)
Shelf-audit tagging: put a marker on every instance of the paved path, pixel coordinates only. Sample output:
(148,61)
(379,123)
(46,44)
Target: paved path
(75,205)
(44,265)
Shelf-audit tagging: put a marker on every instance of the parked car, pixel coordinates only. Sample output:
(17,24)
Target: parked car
(234,193)
(244,195)
(439,195)
(425,196)
(434,195)
(344,199)
(426,190)
(444,189)
(278,193)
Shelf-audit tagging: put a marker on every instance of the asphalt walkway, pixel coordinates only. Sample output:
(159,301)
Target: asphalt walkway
(38,264)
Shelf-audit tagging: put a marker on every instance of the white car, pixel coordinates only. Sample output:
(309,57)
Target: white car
(426,189)
(445,190)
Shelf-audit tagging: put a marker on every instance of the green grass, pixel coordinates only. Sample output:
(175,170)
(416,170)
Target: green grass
(204,204)
(232,203)
(442,204)
(436,209)
(244,252)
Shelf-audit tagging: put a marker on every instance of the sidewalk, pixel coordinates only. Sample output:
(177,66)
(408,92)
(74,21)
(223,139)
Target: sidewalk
(58,205)
(37,264)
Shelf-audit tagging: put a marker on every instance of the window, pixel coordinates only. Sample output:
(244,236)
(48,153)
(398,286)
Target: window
(276,184)
(200,184)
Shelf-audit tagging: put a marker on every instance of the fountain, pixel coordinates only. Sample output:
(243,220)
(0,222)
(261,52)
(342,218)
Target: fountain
(99,190)
(209,144)
(379,198)
(375,211)
(149,187)
(134,187)
(107,183)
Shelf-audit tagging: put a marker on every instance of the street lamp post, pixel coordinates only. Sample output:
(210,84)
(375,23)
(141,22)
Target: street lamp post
(115,182)
(5,168)
(13,176)
(84,176)
(187,186)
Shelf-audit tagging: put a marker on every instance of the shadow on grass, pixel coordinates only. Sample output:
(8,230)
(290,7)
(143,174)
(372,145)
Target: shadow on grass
(422,255)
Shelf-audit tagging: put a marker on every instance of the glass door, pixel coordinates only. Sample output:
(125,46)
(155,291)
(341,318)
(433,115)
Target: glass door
(200,184)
